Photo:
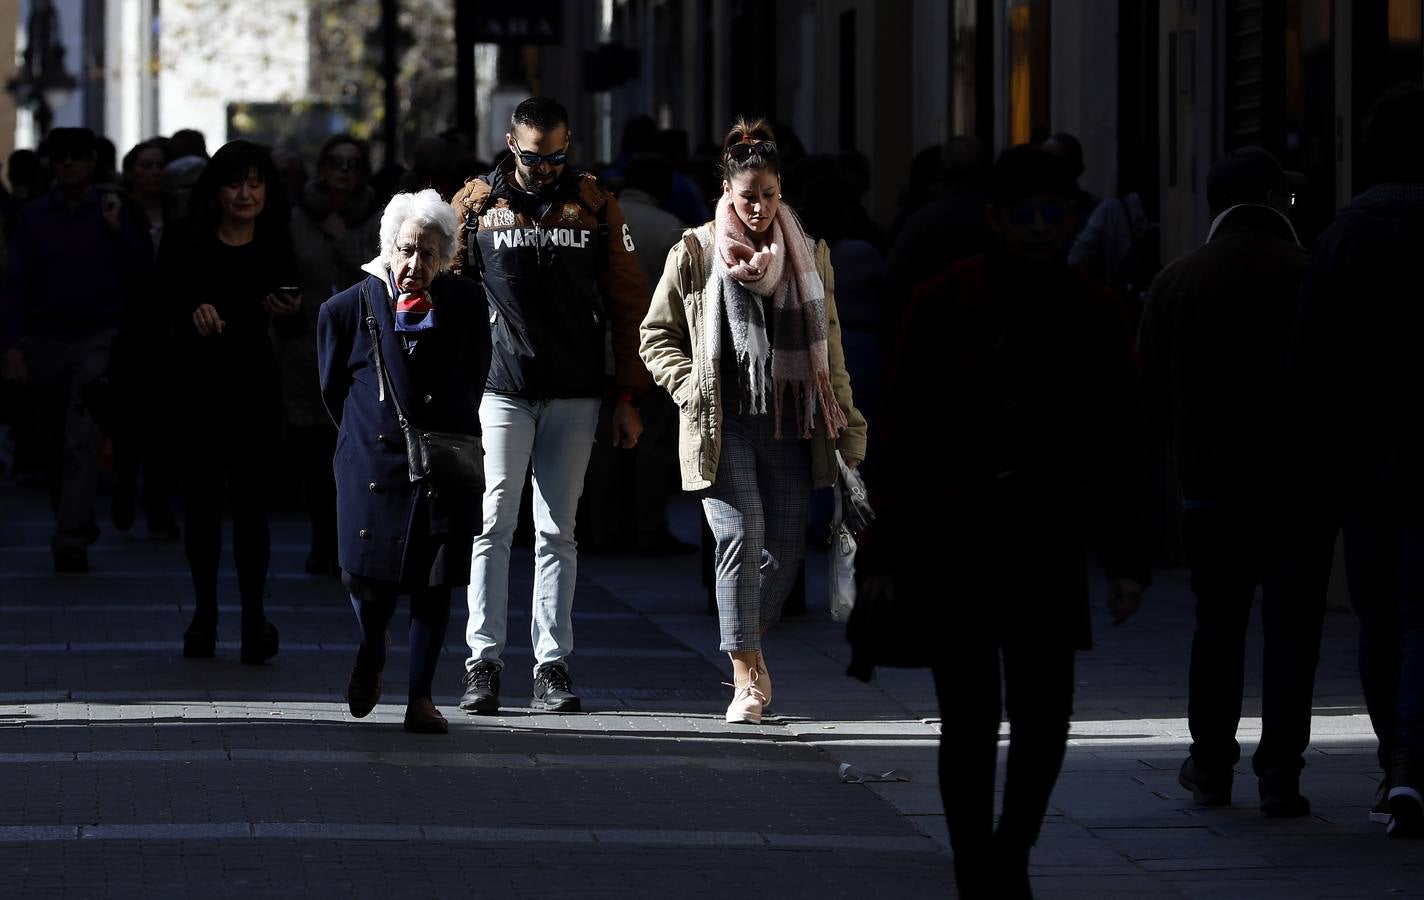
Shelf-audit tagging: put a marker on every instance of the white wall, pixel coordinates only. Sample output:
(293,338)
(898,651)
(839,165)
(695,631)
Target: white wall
(220,51)
(130,115)
(1083,95)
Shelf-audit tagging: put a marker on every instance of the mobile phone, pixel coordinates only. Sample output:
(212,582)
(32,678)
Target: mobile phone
(292,289)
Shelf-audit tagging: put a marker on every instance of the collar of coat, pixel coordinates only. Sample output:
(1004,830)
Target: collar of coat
(378,268)
(1256,217)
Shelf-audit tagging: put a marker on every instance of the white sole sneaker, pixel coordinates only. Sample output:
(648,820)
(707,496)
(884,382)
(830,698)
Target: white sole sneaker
(1406,807)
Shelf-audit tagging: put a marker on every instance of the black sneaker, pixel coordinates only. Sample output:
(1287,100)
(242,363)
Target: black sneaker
(1406,811)
(481,688)
(1206,791)
(1379,813)
(1281,796)
(554,690)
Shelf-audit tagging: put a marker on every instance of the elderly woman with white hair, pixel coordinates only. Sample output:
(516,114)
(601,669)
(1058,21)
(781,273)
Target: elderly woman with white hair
(398,536)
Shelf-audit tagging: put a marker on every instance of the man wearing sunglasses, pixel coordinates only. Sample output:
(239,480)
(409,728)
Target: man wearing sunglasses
(560,272)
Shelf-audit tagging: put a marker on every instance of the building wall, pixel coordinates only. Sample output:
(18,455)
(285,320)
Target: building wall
(1084,74)
(131,111)
(71,22)
(9,39)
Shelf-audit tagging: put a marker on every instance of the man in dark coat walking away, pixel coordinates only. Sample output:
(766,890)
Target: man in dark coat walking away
(1214,339)
(1360,364)
(1026,366)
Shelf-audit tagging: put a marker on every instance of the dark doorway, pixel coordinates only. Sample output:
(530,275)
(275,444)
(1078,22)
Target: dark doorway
(1137,145)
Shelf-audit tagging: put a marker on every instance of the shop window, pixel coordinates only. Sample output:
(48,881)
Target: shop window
(1028,50)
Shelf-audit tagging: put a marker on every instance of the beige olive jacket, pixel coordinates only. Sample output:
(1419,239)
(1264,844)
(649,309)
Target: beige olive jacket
(674,342)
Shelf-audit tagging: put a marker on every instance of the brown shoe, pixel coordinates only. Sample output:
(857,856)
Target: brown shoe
(421,717)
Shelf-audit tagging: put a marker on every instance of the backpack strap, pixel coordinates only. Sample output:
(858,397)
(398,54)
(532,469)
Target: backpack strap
(594,198)
(472,199)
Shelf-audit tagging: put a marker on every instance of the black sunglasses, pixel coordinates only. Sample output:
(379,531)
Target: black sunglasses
(1022,215)
(743,151)
(343,163)
(532,160)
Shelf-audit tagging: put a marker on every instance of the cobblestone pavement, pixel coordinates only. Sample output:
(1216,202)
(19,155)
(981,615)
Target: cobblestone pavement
(126,770)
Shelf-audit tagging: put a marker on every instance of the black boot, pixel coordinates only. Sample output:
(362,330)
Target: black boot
(260,644)
(200,641)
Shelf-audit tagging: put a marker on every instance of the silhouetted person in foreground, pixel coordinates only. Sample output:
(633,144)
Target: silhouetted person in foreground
(1025,364)
(1213,342)
(1361,368)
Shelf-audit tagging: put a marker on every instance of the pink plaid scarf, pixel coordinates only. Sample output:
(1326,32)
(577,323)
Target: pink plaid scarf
(784,269)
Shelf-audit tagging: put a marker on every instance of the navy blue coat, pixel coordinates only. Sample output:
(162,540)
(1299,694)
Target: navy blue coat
(390,529)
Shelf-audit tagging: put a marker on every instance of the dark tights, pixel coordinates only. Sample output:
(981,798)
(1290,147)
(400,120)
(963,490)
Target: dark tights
(375,604)
(251,542)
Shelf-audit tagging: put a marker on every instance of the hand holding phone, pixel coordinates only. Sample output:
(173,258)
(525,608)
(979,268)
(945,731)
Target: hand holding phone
(287,301)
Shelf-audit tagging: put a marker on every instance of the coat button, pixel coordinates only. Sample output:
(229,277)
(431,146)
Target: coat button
(364,533)
(432,495)
(427,398)
(380,438)
(375,488)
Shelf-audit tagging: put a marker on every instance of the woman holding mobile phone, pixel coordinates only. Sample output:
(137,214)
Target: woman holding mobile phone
(228,279)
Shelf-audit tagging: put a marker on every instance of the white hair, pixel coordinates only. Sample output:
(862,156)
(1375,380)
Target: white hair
(427,210)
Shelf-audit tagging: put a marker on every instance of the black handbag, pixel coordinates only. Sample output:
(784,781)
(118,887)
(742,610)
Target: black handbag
(446,460)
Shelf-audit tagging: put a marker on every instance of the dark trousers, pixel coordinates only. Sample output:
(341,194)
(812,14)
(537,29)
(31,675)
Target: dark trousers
(1232,548)
(375,604)
(312,448)
(1037,694)
(1384,561)
(239,468)
(58,373)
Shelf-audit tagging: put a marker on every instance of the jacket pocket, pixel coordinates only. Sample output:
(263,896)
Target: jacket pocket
(684,393)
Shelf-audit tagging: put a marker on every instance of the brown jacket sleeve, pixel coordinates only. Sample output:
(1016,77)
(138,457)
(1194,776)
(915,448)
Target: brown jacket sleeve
(470,198)
(852,441)
(625,290)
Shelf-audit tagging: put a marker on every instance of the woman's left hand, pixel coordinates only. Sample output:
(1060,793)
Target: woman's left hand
(282,304)
(852,464)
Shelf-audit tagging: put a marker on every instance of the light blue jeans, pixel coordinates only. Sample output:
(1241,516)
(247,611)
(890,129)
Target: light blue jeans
(558,436)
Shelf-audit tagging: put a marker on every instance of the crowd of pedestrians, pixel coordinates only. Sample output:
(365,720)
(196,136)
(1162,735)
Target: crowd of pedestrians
(1007,359)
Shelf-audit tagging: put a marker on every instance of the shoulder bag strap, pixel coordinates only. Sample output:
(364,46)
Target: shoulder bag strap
(381,373)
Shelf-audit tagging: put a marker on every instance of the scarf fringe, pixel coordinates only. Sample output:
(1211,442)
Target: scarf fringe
(783,269)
